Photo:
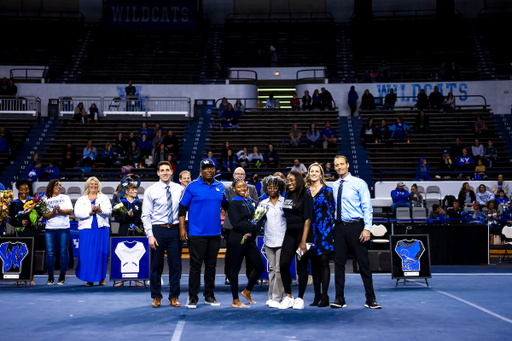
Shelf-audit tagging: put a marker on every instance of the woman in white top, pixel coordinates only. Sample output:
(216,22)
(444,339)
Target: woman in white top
(275,228)
(92,211)
(483,196)
(478,151)
(255,157)
(57,232)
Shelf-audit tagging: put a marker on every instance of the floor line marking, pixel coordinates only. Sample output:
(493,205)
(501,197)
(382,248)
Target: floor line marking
(176,336)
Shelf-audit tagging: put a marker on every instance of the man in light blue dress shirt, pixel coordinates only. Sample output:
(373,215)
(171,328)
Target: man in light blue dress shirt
(353,222)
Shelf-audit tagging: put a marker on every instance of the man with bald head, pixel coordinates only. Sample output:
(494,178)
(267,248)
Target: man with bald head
(230,194)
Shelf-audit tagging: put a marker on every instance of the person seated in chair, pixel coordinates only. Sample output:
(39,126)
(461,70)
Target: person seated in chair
(400,197)
(455,211)
(475,216)
(437,213)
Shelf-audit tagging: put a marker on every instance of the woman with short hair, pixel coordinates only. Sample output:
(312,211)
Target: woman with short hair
(92,211)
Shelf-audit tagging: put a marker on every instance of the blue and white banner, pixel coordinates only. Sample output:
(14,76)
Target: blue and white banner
(151,14)
(129,258)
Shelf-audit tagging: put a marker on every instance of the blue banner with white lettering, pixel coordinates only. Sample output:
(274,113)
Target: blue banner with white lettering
(151,14)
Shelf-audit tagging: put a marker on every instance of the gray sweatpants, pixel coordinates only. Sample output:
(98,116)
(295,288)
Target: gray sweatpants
(275,283)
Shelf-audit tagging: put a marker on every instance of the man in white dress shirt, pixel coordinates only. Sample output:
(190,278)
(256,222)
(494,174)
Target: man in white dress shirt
(160,219)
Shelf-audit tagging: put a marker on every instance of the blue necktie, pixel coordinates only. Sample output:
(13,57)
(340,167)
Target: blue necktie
(338,202)
(169,205)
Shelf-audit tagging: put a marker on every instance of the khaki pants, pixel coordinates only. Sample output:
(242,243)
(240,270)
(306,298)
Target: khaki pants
(275,283)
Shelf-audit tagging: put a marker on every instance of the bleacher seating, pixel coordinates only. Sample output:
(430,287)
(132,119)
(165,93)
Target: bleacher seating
(39,42)
(100,134)
(259,128)
(403,156)
(19,130)
(414,49)
(493,26)
(160,57)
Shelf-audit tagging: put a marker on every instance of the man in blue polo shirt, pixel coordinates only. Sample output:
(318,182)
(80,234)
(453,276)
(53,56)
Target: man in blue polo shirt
(328,135)
(203,199)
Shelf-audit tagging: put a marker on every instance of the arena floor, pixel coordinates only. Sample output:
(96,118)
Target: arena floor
(463,303)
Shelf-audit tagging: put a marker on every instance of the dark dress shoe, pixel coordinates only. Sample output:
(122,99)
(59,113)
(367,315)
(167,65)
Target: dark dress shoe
(315,302)
(174,302)
(324,302)
(156,302)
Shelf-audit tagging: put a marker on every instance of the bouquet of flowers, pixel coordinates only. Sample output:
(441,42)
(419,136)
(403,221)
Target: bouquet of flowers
(35,209)
(258,215)
(120,209)
(6,198)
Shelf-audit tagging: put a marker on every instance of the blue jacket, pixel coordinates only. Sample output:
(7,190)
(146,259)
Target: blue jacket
(352,97)
(54,172)
(32,173)
(420,173)
(461,160)
(400,197)
(399,130)
(106,154)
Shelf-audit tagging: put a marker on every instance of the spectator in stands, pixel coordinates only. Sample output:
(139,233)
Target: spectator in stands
(422,123)
(295,102)
(449,104)
(5,140)
(313,136)
(500,185)
(67,162)
(382,132)
(144,130)
(145,146)
(373,76)
(490,154)
(390,100)
(367,101)
(446,165)
(456,149)
(400,197)
(130,90)
(272,103)
(326,99)
(171,143)
(491,212)
(52,171)
(399,130)
(329,136)
(295,135)
(229,162)
(108,155)
(222,106)
(259,60)
(274,61)
(3,87)
(69,150)
(437,213)
(480,171)
(255,157)
(229,118)
(132,138)
(33,172)
(367,77)
(209,155)
(185,178)
(415,198)
(441,73)
(89,155)
(453,72)
(170,159)
(35,158)
(384,72)
(329,172)
(306,101)
(466,195)
(271,157)
(80,113)
(477,150)
(480,127)
(239,107)
(422,102)
(157,138)
(299,167)
(483,195)
(243,157)
(465,162)
(436,98)
(94,114)
(12,89)
(224,149)
(120,145)
(368,132)
(134,153)
(154,131)
(352,100)
(502,200)
(423,171)
(455,211)
(253,180)
(317,99)
(475,216)
(161,154)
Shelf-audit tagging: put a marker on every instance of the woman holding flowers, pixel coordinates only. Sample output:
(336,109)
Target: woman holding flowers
(92,211)
(57,233)
(322,227)
(242,242)
(128,214)
(20,215)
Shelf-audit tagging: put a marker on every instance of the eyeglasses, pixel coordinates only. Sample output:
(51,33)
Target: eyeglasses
(272,188)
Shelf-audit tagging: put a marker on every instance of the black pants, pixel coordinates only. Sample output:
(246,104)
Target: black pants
(238,251)
(248,264)
(321,275)
(347,237)
(292,239)
(167,239)
(353,109)
(202,249)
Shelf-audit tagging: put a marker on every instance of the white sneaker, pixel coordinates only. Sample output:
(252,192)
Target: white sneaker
(268,302)
(299,303)
(273,304)
(286,303)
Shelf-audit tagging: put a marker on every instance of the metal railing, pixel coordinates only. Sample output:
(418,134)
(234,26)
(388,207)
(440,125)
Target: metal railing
(247,102)
(494,11)
(67,105)
(407,14)
(453,174)
(22,15)
(20,105)
(311,74)
(146,106)
(380,100)
(245,76)
(29,73)
(278,17)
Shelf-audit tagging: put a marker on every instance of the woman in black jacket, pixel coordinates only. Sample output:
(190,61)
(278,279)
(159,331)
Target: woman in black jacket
(466,196)
(368,132)
(422,102)
(242,242)
(422,123)
(367,101)
(271,157)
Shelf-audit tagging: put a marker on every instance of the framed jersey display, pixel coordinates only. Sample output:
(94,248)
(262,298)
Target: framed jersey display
(16,255)
(410,256)
(129,258)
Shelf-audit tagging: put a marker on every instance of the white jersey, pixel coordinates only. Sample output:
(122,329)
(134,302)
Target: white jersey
(130,255)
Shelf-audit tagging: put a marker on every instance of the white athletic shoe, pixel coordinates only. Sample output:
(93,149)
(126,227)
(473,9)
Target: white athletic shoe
(268,302)
(299,303)
(286,303)
(273,304)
